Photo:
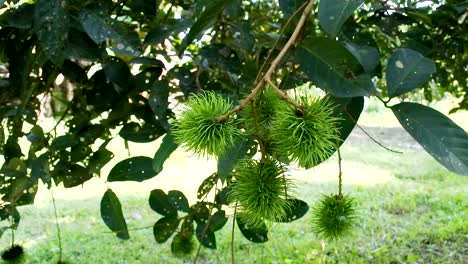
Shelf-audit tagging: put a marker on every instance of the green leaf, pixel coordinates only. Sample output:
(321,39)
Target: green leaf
(40,168)
(289,7)
(159,202)
(158,100)
(165,150)
(64,142)
(206,186)
(218,220)
(229,159)
(22,17)
(206,237)
(296,210)
(178,200)
(99,29)
(367,56)
(141,134)
(258,234)
(210,14)
(332,14)
(406,70)
(348,110)
(164,228)
(111,213)
(333,68)
(439,136)
(162,32)
(77,175)
(51,23)
(138,169)
(99,159)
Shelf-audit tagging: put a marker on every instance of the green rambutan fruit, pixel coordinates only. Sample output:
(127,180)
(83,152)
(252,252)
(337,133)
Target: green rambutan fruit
(334,216)
(258,114)
(199,130)
(260,190)
(13,253)
(308,135)
(182,244)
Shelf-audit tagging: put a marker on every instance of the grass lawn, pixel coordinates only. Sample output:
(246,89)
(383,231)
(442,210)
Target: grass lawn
(411,210)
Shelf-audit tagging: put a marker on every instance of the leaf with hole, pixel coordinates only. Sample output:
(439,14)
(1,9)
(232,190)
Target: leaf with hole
(296,210)
(436,133)
(212,11)
(164,151)
(138,169)
(52,36)
(407,70)
(178,200)
(164,228)
(257,234)
(332,14)
(159,202)
(112,215)
(333,68)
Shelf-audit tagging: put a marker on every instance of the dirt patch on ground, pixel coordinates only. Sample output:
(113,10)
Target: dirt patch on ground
(392,137)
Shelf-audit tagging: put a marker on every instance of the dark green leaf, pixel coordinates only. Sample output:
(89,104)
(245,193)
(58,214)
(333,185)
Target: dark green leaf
(99,159)
(118,72)
(289,7)
(111,213)
(14,168)
(158,99)
(367,56)
(125,41)
(333,68)
(165,150)
(206,237)
(52,36)
(206,186)
(141,134)
(133,169)
(164,228)
(348,110)
(159,202)
(64,142)
(76,175)
(218,220)
(40,168)
(22,17)
(36,135)
(178,200)
(228,160)
(203,21)
(439,136)
(162,32)
(406,70)
(297,209)
(258,234)
(333,13)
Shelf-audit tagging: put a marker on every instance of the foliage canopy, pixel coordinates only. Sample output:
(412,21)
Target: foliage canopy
(108,68)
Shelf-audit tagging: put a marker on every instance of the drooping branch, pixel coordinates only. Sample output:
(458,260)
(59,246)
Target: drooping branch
(267,77)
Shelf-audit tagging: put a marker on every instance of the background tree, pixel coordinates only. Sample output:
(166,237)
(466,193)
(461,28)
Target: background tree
(126,65)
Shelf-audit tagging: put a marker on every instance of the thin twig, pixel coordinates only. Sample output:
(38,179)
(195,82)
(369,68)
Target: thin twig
(232,234)
(340,173)
(367,134)
(285,96)
(57,225)
(378,143)
(273,65)
(278,40)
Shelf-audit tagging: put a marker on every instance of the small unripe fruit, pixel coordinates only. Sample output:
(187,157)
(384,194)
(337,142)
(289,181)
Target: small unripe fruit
(260,190)
(334,216)
(199,130)
(308,135)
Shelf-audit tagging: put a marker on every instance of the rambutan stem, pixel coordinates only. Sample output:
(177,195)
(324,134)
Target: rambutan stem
(267,77)
(340,173)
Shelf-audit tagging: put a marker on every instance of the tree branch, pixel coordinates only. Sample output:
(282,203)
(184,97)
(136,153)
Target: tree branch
(267,77)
